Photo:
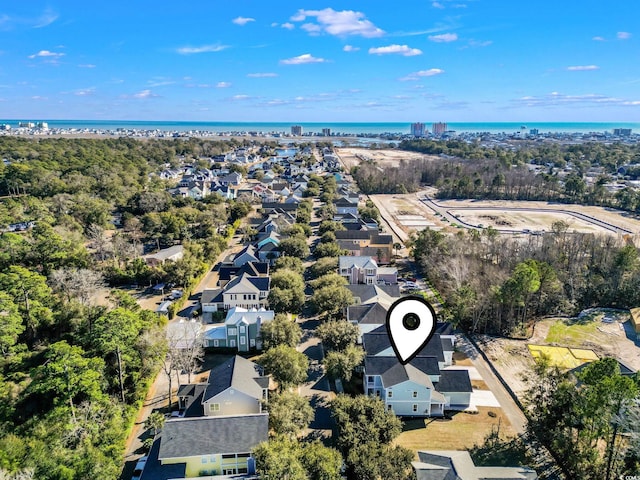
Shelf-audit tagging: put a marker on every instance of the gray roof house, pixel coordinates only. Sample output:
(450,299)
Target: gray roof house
(458,465)
(422,387)
(241,329)
(170,254)
(235,387)
(206,446)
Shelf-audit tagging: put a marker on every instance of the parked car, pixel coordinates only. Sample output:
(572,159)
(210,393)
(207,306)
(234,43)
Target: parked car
(137,472)
(175,294)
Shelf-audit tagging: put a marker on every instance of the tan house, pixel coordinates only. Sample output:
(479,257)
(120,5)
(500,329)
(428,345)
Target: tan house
(635,320)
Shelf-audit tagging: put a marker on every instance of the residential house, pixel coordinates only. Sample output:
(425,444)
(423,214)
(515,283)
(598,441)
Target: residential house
(366,243)
(232,179)
(344,205)
(269,252)
(195,447)
(247,254)
(422,387)
(254,269)
(458,465)
(367,316)
(236,387)
(268,207)
(223,190)
(243,291)
(368,294)
(365,270)
(170,254)
(241,330)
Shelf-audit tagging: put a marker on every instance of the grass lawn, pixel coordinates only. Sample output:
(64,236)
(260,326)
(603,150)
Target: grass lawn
(573,332)
(460,433)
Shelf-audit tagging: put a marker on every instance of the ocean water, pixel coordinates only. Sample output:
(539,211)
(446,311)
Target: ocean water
(336,128)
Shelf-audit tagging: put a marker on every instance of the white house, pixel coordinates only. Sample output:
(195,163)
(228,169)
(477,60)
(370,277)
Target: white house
(241,329)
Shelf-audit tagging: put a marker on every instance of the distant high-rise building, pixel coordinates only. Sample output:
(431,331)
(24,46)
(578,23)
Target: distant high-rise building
(439,128)
(296,130)
(622,132)
(326,132)
(417,129)
(534,132)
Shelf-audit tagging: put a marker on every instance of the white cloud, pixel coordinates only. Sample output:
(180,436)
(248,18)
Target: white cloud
(47,53)
(598,39)
(201,49)
(557,99)
(444,37)
(47,18)
(39,97)
(145,94)
(86,65)
(403,50)
(243,20)
(159,82)
(85,92)
(240,97)
(223,85)
(311,28)
(342,24)
(288,26)
(432,72)
(480,43)
(437,5)
(262,75)
(302,59)
(623,35)
(582,68)
(350,48)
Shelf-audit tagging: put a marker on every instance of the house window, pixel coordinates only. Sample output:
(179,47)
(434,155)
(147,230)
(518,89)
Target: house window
(244,455)
(389,394)
(228,455)
(415,394)
(215,407)
(232,343)
(244,296)
(216,343)
(389,408)
(415,407)
(204,460)
(243,470)
(371,271)
(243,340)
(252,342)
(231,331)
(370,379)
(369,281)
(243,329)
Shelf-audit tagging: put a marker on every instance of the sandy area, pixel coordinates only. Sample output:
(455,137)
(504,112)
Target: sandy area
(534,221)
(515,363)
(612,216)
(352,157)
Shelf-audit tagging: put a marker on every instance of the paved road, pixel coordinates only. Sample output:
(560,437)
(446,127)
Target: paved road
(511,410)
(316,388)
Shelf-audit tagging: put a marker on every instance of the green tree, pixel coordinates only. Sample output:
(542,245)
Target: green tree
(337,334)
(295,247)
(341,364)
(323,266)
(154,422)
(282,330)
(331,300)
(10,324)
(69,375)
(289,263)
(363,419)
(372,461)
(287,365)
(289,413)
(115,334)
(287,291)
(331,249)
(331,279)
(279,459)
(321,463)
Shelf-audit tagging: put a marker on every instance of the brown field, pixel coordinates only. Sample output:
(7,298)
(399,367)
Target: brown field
(462,432)
(532,220)
(352,156)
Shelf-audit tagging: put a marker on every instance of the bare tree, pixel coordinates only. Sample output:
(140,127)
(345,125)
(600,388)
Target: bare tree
(185,351)
(99,241)
(79,284)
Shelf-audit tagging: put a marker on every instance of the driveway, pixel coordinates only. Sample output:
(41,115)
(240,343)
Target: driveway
(316,388)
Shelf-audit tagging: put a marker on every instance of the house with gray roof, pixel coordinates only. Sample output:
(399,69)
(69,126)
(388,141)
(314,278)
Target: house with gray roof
(206,446)
(236,387)
(365,270)
(243,291)
(170,254)
(421,388)
(241,329)
(458,465)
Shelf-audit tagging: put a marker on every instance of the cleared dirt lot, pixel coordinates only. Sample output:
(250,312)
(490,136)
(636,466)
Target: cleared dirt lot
(408,213)
(515,363)
(352,156)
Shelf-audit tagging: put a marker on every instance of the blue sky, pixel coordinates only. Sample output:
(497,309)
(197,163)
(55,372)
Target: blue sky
(445,60)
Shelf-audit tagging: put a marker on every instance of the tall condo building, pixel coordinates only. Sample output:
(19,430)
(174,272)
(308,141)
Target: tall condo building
(417,129)
(439,128)
(622,132)
(296,130)
(326,132)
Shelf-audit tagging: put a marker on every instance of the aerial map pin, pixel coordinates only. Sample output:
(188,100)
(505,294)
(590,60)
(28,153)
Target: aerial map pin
(411,322)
